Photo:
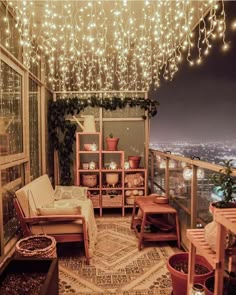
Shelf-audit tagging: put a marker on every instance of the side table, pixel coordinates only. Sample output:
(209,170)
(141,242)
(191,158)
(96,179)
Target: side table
(147,207)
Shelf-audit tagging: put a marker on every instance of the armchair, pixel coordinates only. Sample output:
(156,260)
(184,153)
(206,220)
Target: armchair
(67,220)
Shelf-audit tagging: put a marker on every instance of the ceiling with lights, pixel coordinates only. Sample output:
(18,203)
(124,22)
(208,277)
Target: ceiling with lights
(116,45)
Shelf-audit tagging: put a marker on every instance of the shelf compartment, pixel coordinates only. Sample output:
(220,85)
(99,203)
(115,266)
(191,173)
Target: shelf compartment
(95,200)
(88,170)
(111,200)
(111,170)
(197,238)
(112,158)
(226,217)
(154,236)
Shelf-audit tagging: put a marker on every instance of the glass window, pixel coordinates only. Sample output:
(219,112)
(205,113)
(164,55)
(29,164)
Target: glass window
(11,121)
(34,131)
(9,34)
(11,180)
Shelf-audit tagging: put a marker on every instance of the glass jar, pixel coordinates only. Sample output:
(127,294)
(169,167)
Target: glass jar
(197,289)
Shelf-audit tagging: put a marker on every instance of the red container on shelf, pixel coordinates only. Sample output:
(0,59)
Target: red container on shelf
(134,161)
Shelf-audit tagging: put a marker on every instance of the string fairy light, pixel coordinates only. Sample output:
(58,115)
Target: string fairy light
(122,45)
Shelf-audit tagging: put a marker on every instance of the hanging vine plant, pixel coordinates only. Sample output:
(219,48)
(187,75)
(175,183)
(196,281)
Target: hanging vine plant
(62,131)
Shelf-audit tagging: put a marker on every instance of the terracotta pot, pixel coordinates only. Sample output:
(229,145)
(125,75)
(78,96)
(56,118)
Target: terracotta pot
(134,161)
(179,279)
(209,283)
(212,206)
(112,143)
(228,286)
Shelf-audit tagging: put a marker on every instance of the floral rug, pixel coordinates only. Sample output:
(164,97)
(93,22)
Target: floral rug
(117,266)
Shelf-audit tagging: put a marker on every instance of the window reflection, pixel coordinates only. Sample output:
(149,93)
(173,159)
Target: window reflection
(11,180)
(34,128)
(11,127)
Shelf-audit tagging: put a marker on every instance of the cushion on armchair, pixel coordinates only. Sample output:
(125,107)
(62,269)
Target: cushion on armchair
(59,209)
(70,192)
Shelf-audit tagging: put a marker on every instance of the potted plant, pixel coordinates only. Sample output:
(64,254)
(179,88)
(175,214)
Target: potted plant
(228,286)
(226,184)
(177,265)
(112,142)
(134,161)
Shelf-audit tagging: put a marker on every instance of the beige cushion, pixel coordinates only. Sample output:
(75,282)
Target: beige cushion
(67,227)
(70,192)
(35,194)
(59,209)
(59,228)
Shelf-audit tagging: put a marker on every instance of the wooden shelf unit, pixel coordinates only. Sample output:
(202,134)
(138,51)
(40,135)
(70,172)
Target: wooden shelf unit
(226,219)
(104,195)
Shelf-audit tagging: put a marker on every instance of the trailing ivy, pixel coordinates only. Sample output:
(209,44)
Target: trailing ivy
(62,131)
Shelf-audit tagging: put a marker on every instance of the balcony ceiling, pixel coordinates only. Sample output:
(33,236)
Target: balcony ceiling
(107,45)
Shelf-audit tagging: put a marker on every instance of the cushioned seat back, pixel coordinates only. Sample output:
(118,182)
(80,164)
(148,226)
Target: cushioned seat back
(35,194)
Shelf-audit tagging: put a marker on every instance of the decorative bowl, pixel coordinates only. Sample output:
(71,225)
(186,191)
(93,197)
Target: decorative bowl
(112,178)
(161,200)
(87,146)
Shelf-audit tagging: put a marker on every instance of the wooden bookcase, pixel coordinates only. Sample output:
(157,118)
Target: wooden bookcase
(97,168)
(226,219)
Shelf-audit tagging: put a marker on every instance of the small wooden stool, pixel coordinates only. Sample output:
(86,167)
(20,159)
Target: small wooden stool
(149,207)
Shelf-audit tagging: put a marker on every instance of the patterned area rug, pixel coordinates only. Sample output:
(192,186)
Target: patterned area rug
(117,266)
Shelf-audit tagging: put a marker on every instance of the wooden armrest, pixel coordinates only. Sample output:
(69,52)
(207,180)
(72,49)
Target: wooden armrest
(53,218)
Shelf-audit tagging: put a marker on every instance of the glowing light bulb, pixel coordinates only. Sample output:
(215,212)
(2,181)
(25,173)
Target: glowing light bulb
(225,47)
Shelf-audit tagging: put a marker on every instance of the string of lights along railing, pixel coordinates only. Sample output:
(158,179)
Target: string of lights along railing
(122,45)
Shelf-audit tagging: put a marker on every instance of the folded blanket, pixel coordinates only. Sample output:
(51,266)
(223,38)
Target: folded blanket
(88,212)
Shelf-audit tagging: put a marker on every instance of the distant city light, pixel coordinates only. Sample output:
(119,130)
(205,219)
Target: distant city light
(234,25)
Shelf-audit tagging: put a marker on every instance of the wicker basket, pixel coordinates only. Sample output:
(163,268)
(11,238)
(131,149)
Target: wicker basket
(111,201)
(41,246)
(95,201)
(89,180)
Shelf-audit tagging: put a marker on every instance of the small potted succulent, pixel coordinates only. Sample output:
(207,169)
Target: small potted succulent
(112,142)
(226,184)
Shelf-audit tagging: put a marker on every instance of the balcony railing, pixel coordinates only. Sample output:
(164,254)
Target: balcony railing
(188,184)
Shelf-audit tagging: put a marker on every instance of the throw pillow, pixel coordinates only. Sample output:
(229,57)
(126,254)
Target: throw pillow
(70,192)
(54,209)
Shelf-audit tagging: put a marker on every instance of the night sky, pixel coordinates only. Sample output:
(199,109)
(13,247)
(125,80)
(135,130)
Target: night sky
(199,105)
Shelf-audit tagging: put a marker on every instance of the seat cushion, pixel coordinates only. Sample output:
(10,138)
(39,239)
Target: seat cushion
(59,209)
(35,194)
(58,228)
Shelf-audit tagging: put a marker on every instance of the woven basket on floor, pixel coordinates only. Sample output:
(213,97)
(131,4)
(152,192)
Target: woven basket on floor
(41,246)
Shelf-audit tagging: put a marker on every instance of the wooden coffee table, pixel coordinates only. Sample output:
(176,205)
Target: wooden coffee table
(147,207)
